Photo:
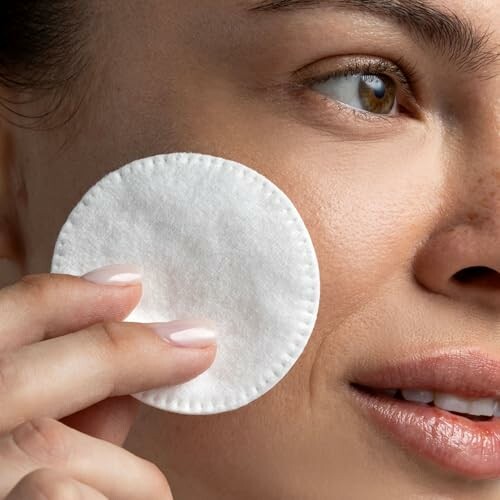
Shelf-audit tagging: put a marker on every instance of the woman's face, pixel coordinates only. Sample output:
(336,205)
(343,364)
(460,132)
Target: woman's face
(399,196)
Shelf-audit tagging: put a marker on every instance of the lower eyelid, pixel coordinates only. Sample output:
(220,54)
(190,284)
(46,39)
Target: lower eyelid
(300,103)
(341,122)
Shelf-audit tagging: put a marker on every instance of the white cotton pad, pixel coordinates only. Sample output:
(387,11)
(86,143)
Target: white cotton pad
(215,240)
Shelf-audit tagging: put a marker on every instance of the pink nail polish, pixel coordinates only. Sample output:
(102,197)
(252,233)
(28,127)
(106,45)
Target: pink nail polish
(116,274)
(185,333)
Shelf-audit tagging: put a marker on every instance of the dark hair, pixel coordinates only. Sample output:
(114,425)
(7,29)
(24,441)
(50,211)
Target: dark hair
(41,50)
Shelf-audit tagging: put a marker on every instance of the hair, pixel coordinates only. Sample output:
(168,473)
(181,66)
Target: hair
(41,50)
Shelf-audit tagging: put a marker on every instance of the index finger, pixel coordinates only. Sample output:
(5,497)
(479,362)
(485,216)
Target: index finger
(61,376)
(44,306)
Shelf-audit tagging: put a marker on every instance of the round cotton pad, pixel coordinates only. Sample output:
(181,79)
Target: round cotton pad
(215,240)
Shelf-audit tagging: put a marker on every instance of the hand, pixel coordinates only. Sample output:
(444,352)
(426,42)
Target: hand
(67,365)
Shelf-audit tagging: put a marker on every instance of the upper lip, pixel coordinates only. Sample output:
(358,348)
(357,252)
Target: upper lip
(466,373)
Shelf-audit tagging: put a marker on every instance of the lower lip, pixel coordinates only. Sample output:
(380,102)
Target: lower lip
(467,447)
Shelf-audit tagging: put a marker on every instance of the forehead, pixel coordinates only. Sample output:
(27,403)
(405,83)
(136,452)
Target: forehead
(227,25)
(484,13)
(478,21)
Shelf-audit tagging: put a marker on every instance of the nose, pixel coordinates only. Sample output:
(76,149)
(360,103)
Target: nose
(463,263)
(461,260)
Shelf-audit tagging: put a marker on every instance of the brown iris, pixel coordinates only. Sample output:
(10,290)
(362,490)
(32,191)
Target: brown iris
(377,93)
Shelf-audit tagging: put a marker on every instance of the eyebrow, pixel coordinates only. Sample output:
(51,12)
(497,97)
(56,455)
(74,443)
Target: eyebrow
(449,34)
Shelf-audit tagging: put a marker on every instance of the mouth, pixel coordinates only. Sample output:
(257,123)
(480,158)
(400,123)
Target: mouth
(444,408)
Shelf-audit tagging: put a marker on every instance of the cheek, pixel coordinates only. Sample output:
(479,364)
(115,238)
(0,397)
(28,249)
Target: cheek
(367,204)
(368,207)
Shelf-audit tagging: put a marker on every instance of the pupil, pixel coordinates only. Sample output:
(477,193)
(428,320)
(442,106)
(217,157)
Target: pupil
(379,92)
(376,85)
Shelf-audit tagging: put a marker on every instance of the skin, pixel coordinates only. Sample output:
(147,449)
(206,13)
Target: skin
(395,207)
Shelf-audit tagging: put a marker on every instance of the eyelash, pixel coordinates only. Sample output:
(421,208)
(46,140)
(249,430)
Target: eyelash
(403,72)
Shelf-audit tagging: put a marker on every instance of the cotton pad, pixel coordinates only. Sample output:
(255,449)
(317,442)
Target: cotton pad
(216,240)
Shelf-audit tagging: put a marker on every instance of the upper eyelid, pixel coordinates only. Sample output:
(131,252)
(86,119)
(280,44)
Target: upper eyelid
(407,73)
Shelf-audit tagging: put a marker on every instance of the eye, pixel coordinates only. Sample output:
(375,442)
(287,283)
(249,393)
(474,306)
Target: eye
(373,93)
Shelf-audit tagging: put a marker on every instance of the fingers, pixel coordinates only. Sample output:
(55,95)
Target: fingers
(47,443)
(48,484)
(110,419)
(63,375)
(48,305)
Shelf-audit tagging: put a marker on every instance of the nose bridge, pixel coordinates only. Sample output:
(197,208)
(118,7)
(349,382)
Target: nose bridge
(485,143)
(482,125)
(486,154)
(475,156)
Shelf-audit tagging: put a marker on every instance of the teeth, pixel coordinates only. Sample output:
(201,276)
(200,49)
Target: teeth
(451,403)
(487,407)
(496,410)
(478,407)
(417,395)
(484,406)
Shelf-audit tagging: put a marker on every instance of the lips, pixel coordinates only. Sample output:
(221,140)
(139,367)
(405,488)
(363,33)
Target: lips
(469,374)
(467,445)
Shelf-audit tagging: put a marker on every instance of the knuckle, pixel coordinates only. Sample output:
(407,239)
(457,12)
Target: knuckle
(42,439)
(46,484)
(108,345)
(37,291)
(114,339)
(35,284)
(43,290)
(111,337)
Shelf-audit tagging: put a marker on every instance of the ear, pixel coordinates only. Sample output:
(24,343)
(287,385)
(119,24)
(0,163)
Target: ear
(11,254)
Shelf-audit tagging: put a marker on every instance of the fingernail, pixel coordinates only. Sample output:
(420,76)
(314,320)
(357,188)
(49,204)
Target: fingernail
(186,333)
(116,274)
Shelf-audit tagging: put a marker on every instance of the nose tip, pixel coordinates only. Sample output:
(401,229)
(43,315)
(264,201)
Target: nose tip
(462,264)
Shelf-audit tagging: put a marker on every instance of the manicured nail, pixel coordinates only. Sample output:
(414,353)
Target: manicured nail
(117,274)
(186,333)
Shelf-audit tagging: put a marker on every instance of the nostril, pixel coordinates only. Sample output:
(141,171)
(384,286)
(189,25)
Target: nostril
(479,276)
(472,274)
